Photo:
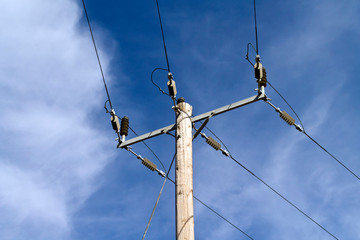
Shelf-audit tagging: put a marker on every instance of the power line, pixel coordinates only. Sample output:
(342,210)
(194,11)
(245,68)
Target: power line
(292,109)
(153,211)
(166,176)
(211,209)
(152,80)
(284,198)
(306,134)
(103,77)
(342,164)
(97,54)
(163,37)
(276,192)
(149,149)
(256,32)
(218,214)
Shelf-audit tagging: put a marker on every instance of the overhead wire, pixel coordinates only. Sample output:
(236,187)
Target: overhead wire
(312,139)
(111,106)
(150,149)
(217,213)
(152,80)
(256,32)
(196,198)
(292,109)
(272,189)
(103,77)
(163,36)
(341,163)
(153,211)
(97,55)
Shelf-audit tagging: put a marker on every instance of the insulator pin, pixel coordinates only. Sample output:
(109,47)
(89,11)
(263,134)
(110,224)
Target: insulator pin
(287,118)
(124,126)
(115,123)
(149,164)
(213,143)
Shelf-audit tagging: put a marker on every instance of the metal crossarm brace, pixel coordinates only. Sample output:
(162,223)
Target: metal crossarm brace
(197,118)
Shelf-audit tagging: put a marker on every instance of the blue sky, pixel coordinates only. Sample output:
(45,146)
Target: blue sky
(61,176)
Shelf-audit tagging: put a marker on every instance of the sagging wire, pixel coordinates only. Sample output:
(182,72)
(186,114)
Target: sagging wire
(292,109)
(273,190)
(218,214)
(256,32)
(163,36)
(153,211)
(171,83)
(97,55)
(288,119)
(158,198)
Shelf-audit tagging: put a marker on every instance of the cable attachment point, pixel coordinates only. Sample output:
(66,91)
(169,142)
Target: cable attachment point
(146,162)
(124,128)
(285,116)
(260,75)
(171,86)
(214,144)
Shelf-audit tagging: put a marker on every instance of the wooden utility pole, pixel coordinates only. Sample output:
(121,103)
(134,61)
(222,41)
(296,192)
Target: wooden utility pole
(184,168)
(184,173)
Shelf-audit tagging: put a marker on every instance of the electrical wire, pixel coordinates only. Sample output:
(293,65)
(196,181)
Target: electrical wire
(306,134)
(153,211)
(149,149)
(284,198)
(97,54)
(211,209)
(272,189)
(103,77)
(111,106)
(172,161)
(342,164)
(292,109)
(256,32)
(163,37)
(152,80)
(218,214)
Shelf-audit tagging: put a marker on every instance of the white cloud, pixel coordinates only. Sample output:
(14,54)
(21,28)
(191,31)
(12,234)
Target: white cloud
(50,84)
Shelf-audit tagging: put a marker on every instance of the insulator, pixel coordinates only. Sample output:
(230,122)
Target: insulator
(287,118)
(115,123)
(124,126)
(172,88)
(258,70)
(213,143)
(263,81)
(149,164)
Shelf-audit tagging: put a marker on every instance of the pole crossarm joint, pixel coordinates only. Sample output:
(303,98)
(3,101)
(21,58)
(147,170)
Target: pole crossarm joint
(197,118)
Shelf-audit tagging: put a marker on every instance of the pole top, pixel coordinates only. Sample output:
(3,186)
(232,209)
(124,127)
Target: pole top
(180,100)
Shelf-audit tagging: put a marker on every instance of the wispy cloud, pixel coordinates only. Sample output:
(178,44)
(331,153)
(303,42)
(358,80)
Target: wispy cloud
(51,152)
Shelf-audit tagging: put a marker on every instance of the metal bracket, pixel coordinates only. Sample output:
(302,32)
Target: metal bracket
(198,118)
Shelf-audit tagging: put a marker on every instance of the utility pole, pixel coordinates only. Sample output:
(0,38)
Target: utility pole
(184,169)
(184,173)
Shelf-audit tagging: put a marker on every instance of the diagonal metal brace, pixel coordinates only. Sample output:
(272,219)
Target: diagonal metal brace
(198,118)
